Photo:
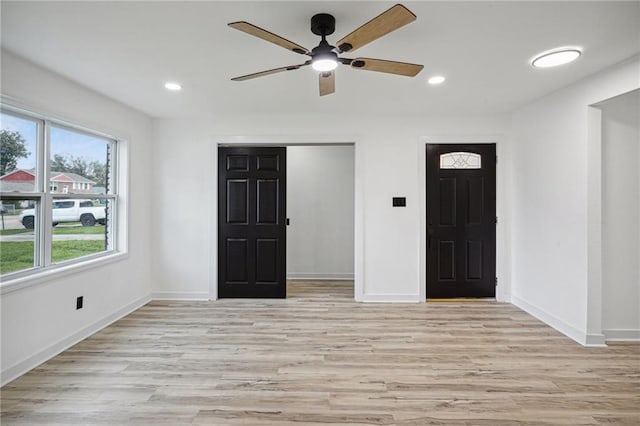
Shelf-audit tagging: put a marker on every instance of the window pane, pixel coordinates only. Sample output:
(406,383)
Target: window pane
(79,163)
(460,160)
(18,220)
(81,229)
(17,154)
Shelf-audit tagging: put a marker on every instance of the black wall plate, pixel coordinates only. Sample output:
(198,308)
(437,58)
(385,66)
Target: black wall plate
(399,202)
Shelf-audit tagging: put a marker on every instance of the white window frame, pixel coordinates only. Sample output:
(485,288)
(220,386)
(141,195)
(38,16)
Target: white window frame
(44,195)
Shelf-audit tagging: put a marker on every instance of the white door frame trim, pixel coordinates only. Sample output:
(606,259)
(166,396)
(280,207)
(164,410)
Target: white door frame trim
(503,270)
(596,335)
(290,140)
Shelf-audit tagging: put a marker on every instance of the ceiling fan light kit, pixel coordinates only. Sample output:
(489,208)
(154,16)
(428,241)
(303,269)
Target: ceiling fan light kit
(326,64)
(325,57)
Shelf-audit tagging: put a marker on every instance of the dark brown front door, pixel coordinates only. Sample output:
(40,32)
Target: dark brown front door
(251,222)
(461,220)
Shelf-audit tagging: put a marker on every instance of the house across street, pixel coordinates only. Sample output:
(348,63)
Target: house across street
(23,180)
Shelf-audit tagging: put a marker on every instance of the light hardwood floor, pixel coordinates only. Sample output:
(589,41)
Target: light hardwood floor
(319,358)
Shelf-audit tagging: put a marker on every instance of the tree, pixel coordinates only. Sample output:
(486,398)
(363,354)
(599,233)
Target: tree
(79,166)
(59,164)
(94,170)
(12,148)
(99,173)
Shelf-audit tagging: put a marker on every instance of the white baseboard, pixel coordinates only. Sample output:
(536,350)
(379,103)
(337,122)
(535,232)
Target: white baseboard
(554,322)
(178,295)
(622,335)
(391,298)
(44,355)
(318,277)
(595,341)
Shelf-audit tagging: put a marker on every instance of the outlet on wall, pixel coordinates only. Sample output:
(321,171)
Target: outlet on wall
(79,301)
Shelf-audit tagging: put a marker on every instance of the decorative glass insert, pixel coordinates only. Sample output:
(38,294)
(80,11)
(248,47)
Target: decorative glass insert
(460,160)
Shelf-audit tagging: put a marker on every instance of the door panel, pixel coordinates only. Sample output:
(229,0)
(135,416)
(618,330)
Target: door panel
(238,162)
(237,265)
(251,222)
(267,202)
(266,261)
(447,261)
(461,205)
(447,202)
(474,260)
(268,163)
(475,197)
(237,200)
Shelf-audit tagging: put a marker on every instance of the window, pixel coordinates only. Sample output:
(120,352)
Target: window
(60,176)
(460,160)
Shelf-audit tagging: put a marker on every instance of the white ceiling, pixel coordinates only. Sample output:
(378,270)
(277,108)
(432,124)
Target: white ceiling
(127,50)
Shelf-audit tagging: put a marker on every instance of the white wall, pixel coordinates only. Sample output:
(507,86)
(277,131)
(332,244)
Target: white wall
(40,320)
(555,204)
(186,251)
(621,216)
(320,204)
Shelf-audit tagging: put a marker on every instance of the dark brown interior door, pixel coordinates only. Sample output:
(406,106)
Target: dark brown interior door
(251,222)
(461,220)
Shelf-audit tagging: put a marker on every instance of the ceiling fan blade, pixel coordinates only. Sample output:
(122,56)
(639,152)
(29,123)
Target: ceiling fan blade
(268,36)
(394,18)
(327,83)
(390,67)
(269,72)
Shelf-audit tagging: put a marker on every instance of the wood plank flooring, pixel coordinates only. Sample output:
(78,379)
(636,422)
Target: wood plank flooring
(320,358)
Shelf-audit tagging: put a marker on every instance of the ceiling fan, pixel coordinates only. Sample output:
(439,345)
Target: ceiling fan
(325,57)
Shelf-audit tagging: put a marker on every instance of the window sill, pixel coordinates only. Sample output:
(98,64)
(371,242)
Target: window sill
(58,271)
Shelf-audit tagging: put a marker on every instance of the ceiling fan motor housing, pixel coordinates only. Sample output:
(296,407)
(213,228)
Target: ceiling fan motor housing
(323,24)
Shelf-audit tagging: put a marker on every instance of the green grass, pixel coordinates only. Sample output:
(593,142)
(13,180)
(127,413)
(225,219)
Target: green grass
(15,231)
(65,250)
(18,255)
(78,230)
(15,256)
(61,230)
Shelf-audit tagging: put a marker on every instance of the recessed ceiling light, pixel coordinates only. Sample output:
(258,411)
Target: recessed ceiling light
(555,57)
(436,79)
(172,86)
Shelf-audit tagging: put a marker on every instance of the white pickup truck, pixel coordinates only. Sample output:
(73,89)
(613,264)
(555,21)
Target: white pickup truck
(82,211)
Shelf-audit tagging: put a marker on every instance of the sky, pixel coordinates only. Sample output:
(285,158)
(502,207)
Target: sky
(64,142)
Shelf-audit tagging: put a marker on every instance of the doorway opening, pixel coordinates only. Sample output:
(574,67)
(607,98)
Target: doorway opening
(312,209)
(615,208)
(320,208)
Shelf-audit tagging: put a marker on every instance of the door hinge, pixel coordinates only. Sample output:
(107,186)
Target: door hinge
(496,159)
(496,220)
(496,281)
